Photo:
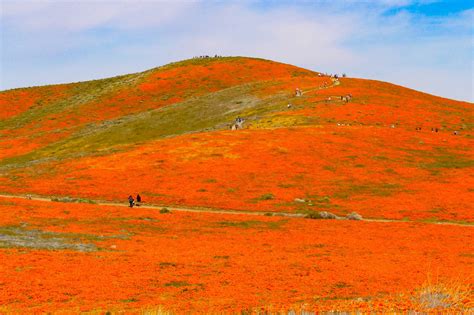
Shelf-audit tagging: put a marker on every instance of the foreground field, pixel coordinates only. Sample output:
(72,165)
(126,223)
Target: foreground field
(62,256)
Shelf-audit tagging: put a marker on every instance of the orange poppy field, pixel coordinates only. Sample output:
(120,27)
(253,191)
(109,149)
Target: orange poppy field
(138,259)
(318,204)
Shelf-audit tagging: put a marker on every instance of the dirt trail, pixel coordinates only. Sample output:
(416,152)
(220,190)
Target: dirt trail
(333,84)
(223,211)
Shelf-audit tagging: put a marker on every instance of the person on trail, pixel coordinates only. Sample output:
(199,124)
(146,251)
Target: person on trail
(130,200)
(139,200)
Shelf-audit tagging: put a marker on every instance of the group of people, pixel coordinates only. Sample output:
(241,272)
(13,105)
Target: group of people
(346,98)
(238,124)
(132,201)
(455,132)
(334,76)
(437,130)
(206,56)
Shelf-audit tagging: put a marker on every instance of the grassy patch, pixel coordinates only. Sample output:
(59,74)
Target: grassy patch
(284,185)
(17,236)
(374,189)
(130,300)
(265,197)
(438,159)
(438,220)
(329,168)
(165,264)
(252,224)
(72,200)
(177,284)
(380,158)
(209,112)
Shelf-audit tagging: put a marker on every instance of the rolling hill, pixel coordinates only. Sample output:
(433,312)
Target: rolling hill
(390,152)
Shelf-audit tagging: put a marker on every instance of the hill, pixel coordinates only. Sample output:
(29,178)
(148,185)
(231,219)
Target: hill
(227,220)
(165,133)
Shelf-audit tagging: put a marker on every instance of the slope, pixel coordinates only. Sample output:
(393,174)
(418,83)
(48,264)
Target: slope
(163,133)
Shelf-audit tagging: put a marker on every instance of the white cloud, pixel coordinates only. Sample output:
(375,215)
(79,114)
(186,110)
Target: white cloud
(75,16)
(335,36)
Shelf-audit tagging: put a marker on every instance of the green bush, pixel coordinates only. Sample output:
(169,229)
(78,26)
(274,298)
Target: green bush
(165,210)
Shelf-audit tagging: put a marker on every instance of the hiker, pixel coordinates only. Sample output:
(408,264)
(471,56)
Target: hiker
(238,124)
(131,201)
(139,200)
(455,132)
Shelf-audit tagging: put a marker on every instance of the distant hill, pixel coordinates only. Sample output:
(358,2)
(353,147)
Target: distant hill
(166,133)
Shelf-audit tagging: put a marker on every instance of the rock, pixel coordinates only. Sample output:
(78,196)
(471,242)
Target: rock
(354,216)
(321,215)
(327,215)
(300,200)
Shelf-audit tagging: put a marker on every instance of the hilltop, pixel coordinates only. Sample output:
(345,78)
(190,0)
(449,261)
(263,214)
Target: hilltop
(166,133)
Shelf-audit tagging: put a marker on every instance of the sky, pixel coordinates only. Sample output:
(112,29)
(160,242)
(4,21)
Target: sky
(426,45)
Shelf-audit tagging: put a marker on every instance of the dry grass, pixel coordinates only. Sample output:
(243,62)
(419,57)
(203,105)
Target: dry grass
(452,295)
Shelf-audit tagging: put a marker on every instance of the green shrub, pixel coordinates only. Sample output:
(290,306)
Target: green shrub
(165,210)
(267,197)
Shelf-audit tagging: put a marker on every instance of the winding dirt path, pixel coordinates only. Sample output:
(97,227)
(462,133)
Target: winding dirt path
(224,211)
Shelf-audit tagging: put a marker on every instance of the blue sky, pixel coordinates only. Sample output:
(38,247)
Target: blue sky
(426,45)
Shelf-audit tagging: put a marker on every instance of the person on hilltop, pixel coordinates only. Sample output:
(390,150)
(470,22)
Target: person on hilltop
(139,200)
(130,201)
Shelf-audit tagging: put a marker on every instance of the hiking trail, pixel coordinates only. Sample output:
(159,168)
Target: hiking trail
(225,211)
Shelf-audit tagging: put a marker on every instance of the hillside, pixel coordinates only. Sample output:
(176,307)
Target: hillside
(228,220)
(165,133)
